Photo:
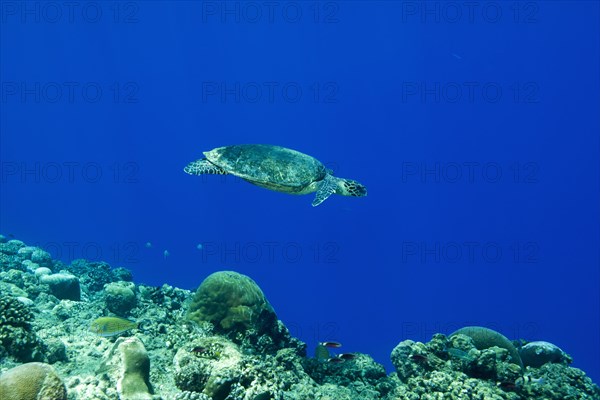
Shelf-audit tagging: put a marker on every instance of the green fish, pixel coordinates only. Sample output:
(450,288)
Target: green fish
(321,353)
(111,326)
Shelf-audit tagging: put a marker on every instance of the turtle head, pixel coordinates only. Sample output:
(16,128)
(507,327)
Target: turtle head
(330,185)
(349,187)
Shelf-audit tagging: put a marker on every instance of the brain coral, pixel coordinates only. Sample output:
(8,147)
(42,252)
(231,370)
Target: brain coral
(32,381)
(232,302)
(484,338)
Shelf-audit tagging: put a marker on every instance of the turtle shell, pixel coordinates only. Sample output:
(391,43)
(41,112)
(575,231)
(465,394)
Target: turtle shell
(269,166)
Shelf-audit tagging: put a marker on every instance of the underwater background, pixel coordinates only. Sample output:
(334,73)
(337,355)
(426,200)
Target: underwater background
(473,126)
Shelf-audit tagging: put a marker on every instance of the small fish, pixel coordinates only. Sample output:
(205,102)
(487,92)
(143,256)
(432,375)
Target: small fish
(520,382)
(456,56)
(335,360)
(347,356)
(460,354)
(199,350)
(507,386)
(419,358)
(334,345)
(528,379)
(148,245)
(166,254)
(111,326)
(199,246)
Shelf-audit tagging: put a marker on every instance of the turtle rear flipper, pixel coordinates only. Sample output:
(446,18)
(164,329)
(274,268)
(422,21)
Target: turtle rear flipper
(203,166)
(327,187)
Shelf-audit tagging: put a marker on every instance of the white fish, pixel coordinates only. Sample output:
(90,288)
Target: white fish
(166,254)
(528,379)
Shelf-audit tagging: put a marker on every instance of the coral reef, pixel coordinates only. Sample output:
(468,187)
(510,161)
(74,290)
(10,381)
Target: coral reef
(454,365)
(225,342)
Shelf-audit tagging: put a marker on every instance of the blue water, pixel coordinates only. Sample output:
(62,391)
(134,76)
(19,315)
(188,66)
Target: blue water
(475,129)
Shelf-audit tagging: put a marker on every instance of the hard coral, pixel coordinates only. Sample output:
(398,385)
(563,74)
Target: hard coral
(237,307)
(120,297)
(32,381)
(94,275)
(230,301)
(484,338)
(15,330)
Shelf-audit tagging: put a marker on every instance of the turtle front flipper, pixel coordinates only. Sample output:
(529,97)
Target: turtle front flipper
(327,187)
(203,166)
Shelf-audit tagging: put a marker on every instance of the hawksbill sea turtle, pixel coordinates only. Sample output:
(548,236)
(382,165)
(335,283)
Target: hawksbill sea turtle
(276,168)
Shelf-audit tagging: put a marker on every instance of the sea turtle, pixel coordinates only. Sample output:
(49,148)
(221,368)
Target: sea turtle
(276,168)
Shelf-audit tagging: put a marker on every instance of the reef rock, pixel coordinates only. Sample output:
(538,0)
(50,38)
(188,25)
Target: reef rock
(536,354)
(211,367)
(63,286)
(128,367)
